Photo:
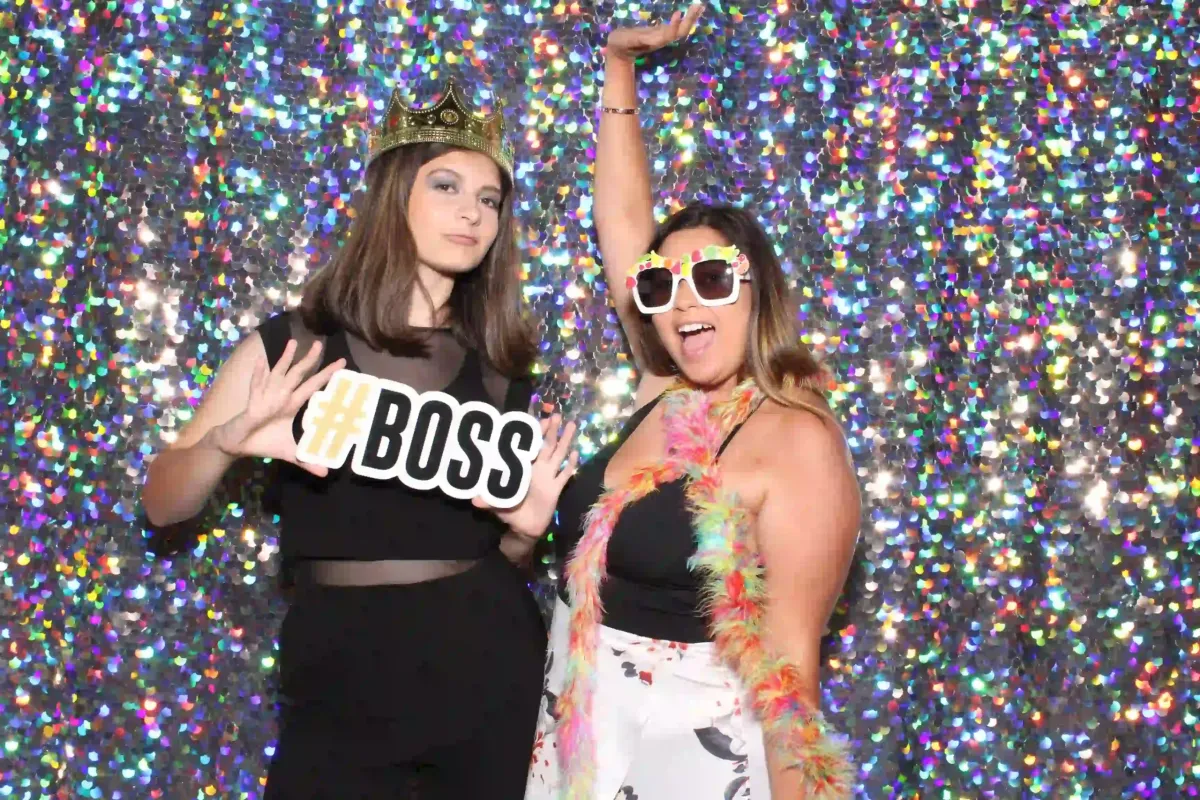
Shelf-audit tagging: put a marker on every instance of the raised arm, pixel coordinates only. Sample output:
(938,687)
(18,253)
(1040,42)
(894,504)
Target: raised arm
(623,207)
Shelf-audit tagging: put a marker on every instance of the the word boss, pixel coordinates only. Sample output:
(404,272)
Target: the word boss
(426,440)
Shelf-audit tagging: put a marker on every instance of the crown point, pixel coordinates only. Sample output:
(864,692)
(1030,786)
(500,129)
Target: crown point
(450,120)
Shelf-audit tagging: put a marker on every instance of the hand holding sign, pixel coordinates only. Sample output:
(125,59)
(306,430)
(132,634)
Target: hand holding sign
(264,426)
(532,516)
(426,441)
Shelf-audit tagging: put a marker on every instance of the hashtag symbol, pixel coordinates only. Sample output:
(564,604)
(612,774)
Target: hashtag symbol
(336,420)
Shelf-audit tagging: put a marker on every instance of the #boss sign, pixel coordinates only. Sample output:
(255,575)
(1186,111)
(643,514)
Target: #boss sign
(427,440)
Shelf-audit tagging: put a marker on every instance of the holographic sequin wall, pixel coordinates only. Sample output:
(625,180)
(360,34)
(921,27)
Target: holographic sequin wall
(990,210)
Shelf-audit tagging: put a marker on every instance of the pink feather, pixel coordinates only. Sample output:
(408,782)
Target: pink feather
(734,593)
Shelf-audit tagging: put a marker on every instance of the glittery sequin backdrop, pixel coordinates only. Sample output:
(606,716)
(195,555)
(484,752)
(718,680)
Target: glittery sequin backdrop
(991,209)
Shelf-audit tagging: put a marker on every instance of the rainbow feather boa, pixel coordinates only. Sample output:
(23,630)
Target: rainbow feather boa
(735,598)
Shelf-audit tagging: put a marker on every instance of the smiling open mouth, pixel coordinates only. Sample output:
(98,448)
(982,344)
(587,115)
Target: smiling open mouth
(692,328)
(695,338)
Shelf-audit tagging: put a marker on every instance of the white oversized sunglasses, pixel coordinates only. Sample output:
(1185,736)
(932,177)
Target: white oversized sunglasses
(714,274)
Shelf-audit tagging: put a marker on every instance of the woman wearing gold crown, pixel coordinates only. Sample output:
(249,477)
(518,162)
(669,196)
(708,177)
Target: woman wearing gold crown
(708,544)
(412,651)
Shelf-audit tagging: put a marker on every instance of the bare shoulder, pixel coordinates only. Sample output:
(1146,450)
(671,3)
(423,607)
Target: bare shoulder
(248,354)
(811,497)
(226,396)
(798,437)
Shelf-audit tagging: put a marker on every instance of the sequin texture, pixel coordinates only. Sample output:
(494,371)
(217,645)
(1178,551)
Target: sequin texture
(990,212)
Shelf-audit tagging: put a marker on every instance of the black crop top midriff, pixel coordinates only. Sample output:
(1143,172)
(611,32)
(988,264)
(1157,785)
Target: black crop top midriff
(650,590)
(347,516)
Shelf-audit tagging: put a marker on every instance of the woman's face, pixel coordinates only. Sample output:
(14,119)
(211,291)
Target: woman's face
(707,343)
(454,210)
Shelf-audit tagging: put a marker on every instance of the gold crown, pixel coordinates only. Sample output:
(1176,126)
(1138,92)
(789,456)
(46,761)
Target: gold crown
(449,121)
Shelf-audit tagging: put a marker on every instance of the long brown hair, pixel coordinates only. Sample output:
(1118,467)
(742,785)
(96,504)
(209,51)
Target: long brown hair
(372,282)
(776,358)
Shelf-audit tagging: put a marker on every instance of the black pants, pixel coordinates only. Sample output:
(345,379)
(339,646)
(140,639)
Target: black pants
(427,691)
(320,762)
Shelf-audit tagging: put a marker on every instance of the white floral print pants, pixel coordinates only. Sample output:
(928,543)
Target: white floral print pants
(669,720)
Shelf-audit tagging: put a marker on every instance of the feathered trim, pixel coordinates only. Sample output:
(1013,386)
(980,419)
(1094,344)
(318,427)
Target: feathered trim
(586,570)
(735,598)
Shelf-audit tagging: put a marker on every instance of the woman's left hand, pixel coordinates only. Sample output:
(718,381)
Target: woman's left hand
(531,517)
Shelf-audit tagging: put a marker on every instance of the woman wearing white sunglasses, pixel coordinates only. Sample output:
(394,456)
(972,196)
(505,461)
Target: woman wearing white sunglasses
(703,565)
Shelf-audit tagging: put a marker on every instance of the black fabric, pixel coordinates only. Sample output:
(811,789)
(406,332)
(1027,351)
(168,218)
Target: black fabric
(344,515)
(275,333)
(387,694)
(519,395)
(650,590)
(383,689)
(429,366)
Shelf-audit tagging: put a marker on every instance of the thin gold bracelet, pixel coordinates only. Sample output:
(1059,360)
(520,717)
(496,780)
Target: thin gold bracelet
(612,110)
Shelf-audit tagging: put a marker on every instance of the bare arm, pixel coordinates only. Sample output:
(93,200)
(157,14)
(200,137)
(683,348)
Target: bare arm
(806,531)
(247,412)
(182,477)
(623,208)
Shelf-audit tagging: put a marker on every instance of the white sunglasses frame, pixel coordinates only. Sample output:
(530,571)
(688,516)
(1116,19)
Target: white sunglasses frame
(736,260)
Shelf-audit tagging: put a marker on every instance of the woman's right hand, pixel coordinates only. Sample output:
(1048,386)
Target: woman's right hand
(263,429)
(628,44)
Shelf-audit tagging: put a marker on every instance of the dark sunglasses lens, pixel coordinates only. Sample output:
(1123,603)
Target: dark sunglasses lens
(714,279)
(654,286)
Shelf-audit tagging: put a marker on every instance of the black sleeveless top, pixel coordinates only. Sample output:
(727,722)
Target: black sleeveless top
(650,591)
(347,516)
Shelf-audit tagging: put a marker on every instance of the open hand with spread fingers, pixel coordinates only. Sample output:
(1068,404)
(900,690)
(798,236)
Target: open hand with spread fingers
(264,426)
(630,43)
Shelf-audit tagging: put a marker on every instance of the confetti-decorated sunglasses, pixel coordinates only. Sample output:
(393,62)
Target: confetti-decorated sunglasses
(714,273)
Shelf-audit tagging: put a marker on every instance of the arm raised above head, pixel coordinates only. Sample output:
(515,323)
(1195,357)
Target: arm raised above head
(623,207)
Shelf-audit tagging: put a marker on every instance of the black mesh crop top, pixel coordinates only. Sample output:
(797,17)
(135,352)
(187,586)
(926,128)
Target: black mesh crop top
(650,590)
(346,516)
